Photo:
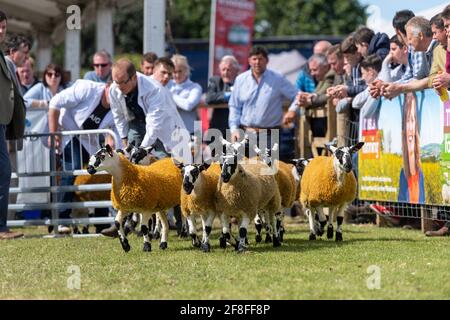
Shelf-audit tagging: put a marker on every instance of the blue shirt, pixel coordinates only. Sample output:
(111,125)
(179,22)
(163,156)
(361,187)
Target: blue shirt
(91,75)
(305,81)
(39,92)
(260,104)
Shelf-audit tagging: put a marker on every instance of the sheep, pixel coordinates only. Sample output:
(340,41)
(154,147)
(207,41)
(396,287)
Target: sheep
(144,189)
(198,196)
(242,192)
(287,187)
(329,182)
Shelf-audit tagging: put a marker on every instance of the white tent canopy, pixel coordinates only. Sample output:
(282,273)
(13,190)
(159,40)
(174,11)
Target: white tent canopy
(288,63)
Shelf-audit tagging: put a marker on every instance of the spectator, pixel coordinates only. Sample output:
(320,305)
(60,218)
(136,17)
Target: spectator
(219,92)
(101,62)
(315,103)
(257,98)
(368,42)
(74,109)
(443,80)
(163,70)
(305,82)
(26,75)
(52,82)
(7,105)
(17,50)
(411,187)
(148,63)
(420,38)
(187,94)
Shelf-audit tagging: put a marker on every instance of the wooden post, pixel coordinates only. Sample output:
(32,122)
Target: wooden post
(426,220)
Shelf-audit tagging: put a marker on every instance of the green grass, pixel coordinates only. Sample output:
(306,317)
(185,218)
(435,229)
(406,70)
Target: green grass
(412,267)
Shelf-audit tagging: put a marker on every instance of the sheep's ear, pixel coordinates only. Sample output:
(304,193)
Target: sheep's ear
(109,150)
(356,147)
(178,163)
(149,149)
(225,142)
(330,148)
(120,151)
(204,166)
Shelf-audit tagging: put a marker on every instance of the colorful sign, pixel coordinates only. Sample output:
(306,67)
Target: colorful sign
(231,31)
(407,153)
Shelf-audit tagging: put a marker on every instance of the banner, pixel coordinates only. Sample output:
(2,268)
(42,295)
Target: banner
(406,155)
(230,32)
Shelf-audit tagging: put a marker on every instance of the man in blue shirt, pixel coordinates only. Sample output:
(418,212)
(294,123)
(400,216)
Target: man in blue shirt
(256,101)
(101,63)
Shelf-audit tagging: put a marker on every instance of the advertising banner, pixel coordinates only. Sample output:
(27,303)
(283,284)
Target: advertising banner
(406,156)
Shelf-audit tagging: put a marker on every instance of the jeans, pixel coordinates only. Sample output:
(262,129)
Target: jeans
(5,179)
(70,163)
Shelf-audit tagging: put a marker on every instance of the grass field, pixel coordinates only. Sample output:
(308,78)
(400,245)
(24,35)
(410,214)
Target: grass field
(411,266)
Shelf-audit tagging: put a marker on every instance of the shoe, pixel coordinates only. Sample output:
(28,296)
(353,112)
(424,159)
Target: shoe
(110,232)
(7,235)
(438,233)
(64,229)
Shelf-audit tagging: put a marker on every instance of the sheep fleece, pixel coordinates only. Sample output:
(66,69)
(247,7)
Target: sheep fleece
(147,188)
(319,185)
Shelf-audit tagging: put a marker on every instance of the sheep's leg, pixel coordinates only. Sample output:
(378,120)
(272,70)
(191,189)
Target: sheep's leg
(207,223)
(322,221)
(157,228)
(330,228)
(226,236)
(280,228)
(275,235)
(258,227)
(165,229)
(268,226)
(312,229)
(193,230)
(340,219)
(118,221)
(245,221)
(145,231)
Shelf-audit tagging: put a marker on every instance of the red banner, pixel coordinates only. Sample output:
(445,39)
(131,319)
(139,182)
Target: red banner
(231,31)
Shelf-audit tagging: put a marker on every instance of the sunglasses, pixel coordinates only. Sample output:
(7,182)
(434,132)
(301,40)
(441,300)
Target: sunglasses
(103,65)
(53,74)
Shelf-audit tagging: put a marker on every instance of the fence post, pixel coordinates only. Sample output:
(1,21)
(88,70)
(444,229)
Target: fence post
(426,219)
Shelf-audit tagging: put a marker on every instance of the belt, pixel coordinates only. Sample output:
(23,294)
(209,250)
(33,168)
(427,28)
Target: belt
(258,129)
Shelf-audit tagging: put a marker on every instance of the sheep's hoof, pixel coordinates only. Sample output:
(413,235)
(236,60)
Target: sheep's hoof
(156,235)
(246,241)
(268,238)
(223,240)
(125,245)
(163,245)
(183,234)
(147,247)
(319,231)
(276,242)
(206,247)
(330,232)
(240,248)
(195,242)
(126,229)
(85,230)
(312,236)
(339,236)
(76,231)
(258,238)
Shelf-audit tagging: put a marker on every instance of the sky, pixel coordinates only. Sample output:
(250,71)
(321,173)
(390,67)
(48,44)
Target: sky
(387,9)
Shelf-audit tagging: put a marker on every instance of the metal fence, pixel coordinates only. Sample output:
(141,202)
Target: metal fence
(37,170)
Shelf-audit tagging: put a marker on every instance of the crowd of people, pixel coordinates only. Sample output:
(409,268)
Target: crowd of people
(147,106)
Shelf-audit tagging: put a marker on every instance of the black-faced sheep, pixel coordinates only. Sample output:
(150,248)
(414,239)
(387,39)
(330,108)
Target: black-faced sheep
(329,182)
(143,189)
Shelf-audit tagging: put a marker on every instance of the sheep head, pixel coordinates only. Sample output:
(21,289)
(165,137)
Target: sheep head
(190,173)
(343,156)
(299,167)
(102,159)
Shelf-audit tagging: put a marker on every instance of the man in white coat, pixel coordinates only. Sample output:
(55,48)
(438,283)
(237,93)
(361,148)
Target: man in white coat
(83,106)
(139,106)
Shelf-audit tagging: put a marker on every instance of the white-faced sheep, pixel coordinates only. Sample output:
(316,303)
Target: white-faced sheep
(243,191)
(143,189)
(198,197)
(329,182)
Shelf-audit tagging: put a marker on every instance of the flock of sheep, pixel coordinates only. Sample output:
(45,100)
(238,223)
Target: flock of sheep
(236,186)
